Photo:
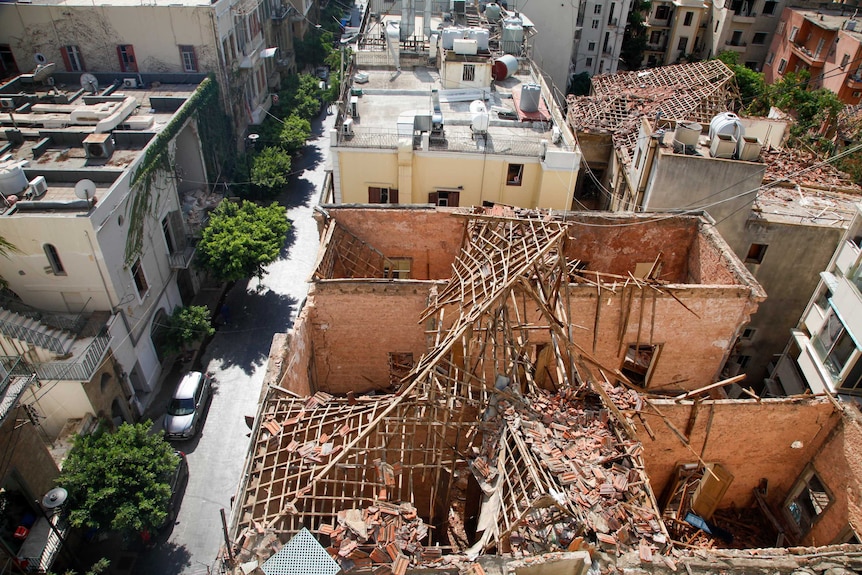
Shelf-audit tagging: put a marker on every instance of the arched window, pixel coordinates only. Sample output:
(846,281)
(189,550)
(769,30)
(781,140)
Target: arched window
(54,260)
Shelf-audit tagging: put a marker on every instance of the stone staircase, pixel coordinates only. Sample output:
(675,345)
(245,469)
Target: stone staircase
(33,331)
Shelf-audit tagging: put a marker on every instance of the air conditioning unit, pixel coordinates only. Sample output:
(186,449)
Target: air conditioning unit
(130,83)
(99,146)
(7,103)
(38,187)
(347,127)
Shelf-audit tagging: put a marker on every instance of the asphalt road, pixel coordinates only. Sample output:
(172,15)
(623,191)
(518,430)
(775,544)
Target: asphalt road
(236,356)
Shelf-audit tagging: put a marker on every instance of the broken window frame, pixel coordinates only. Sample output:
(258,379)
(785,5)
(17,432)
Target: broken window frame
(800,519)
(514,174)
(756,253)
(631,368)
(834,346)
(397,268)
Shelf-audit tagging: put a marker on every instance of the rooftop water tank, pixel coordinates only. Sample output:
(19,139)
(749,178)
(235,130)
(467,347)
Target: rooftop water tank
(479,117)
(465,46)
(726,123)
(481,36)
(449,35)
(493,12)
(504,66)
(13,180)
(531,95)
(686,136)
(513,36)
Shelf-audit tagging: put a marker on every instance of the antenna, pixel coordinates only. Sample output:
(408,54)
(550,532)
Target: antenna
(85,190)
(89,83)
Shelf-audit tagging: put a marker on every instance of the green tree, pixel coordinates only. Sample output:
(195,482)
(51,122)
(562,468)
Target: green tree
(270,170)
(187,325)
(241,239)
(812,108)
(752,86)
(119,481)
(313,48)
(294,132)
(96,568)
(635,35)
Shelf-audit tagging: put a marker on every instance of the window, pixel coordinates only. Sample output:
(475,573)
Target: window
(748,333)
(756,253)
(793,32)
(54,260)
(72,58)
(769,58)
(742,361)
(807,501)
(662,12)
(736,38)
(595,24)
(514,174)
(780,29)
(769,7)
(683,42)
(126,54)
(8,67)
(188,58)
(833,345)
(140,279)
(397,268)
(444,198)
(752,65)
(469,73)
(654,37)
(688,18)
(589,62)
(782,64)
(819,47)
(382,195)
(759,38)
(857,94)
(597,9)
(591,47)
(639,362)
(845,59)
(169,239)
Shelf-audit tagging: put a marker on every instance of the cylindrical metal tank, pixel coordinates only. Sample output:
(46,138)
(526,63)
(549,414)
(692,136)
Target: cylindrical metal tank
(481,36)
(531,94)
(726,123)
(479,118)
(687,135)
(504,66)
(513,36)
(13,180)
(493,12)
(449,35)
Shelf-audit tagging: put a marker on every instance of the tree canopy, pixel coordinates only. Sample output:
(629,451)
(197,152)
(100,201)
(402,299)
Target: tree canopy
(270,169)
(186,325)
(294,132)
(119,481)
(635,37)
(241,239)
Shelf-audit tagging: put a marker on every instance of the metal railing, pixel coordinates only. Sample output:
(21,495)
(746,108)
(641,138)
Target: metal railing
(82,370)
(68,322)
(36,337)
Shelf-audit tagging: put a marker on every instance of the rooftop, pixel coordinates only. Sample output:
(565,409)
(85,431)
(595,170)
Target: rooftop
(65,133)
(833,20)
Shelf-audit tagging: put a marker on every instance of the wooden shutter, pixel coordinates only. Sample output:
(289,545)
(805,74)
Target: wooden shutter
(393,196)
(433,198)
(453,199)
(716,479)
(64,51)
(373,195)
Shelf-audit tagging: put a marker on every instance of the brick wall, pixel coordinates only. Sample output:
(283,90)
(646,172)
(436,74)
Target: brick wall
(751,439)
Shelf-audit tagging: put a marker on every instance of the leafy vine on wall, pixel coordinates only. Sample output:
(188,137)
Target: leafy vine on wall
(204,106)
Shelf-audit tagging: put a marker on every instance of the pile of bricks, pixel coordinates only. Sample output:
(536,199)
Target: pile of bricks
(384,538)
(805,167)
(571,439)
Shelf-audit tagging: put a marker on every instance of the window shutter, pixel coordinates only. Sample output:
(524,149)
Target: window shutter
(433,198)
(120,58)
(195,58)
(373,195)
(64,51)
(453,199)
(393,196)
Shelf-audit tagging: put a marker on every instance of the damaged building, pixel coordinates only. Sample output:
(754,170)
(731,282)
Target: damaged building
(492,391)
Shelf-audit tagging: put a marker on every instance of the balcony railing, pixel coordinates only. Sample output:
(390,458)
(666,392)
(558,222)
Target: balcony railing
(736,43)
(82,370)
(181,259)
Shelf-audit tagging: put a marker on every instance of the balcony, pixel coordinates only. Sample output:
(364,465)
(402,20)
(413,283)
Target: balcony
(854,82)
(182,259)
(735,45)
(280,14)
(613,22)
(744,18)
(809,57)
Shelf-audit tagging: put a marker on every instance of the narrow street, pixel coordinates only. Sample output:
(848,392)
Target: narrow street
(236,356)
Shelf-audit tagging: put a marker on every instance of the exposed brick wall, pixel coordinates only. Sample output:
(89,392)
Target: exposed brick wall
(751,439)
(26,455)
(839,464)
(432,238)
(356,324)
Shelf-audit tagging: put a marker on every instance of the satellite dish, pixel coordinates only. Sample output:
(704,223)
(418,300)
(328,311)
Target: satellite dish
(40,58)
(85,189)
(89,83)
(43,72)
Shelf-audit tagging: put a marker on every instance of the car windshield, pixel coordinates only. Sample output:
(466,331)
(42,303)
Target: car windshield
(181,407)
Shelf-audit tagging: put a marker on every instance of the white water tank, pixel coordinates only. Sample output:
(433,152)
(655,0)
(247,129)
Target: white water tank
(465,46)
(493,12)
(726,123)
(449,35)
(513,36)
(686,137)
(531,95)
(479,117)
(481,36)
(13,180)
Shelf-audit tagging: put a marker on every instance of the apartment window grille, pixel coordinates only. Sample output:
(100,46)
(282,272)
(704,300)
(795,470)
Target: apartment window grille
(597,9)
(591,47)
(469,73)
